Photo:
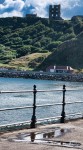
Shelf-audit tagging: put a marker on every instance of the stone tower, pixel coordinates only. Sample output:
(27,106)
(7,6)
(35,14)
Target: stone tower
(54,12)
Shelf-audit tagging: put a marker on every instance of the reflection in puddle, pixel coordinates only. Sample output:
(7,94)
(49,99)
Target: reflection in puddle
(45,137)
(34,136)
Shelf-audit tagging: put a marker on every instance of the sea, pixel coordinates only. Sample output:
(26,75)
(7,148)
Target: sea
(48,92)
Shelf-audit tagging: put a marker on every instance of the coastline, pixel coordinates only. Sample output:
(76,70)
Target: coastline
(42,75)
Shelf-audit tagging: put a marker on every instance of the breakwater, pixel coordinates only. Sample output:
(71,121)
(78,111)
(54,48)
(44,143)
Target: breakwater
(42,75)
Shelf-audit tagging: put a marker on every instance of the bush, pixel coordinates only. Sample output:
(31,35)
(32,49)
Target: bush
(24,50)
(53,45)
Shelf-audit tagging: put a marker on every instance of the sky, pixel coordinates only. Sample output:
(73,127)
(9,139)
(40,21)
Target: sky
(69,8)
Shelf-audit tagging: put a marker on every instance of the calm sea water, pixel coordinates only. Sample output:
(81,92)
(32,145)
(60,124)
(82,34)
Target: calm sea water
(26,99)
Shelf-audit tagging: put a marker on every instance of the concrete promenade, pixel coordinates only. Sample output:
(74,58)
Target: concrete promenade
(66,136)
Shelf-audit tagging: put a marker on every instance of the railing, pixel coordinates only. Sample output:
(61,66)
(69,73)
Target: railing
(35,91)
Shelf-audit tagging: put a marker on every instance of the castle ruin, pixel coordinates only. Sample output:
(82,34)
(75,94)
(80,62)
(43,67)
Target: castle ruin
(54,12)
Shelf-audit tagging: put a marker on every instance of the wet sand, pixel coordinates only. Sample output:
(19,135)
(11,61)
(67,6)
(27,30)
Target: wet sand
(48,137)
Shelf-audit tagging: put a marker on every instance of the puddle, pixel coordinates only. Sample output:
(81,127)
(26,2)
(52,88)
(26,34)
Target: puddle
(45,137)
(66,144)
(39,137)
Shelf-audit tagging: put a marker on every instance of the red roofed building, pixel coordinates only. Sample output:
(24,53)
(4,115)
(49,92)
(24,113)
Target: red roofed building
(60,69)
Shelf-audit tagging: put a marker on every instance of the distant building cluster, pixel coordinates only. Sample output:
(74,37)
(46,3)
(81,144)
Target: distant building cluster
(54,12)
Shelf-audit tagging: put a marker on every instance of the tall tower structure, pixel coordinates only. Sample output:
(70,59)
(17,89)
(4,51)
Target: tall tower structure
(54,12)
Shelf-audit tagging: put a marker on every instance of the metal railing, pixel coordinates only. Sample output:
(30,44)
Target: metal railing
(34,106)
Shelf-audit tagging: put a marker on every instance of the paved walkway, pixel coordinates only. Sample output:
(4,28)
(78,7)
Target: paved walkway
(67,136)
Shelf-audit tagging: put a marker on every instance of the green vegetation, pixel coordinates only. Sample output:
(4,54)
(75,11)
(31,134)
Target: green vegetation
(35,43)
(29,62)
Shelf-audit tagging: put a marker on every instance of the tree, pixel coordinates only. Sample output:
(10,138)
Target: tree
(26,49)
(53,45)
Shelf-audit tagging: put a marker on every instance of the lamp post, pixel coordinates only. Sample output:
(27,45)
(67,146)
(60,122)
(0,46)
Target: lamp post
(33,119)
(63,106)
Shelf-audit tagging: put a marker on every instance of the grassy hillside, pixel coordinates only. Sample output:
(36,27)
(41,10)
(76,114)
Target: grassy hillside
(68,53)
(29,43)
(29,62)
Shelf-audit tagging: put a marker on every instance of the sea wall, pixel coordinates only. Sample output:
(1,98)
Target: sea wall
(42,75)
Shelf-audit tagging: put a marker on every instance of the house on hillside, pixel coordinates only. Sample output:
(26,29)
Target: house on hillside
(60,69)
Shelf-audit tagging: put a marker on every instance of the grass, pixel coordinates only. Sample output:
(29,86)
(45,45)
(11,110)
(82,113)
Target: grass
(28,62)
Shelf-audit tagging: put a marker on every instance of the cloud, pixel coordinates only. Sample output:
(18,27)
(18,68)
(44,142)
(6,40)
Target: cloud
(11,8)
(40,7)
(13,13)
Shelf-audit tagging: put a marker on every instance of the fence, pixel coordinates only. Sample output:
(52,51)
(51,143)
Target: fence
(33,121)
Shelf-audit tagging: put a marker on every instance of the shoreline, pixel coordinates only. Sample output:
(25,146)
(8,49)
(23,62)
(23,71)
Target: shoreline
(42,75)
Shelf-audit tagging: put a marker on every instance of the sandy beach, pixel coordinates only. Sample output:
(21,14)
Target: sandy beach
(48,137)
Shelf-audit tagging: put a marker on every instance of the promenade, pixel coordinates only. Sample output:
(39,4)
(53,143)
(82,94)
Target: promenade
(66,136)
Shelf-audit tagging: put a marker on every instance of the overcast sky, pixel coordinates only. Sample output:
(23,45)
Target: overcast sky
(69,8)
